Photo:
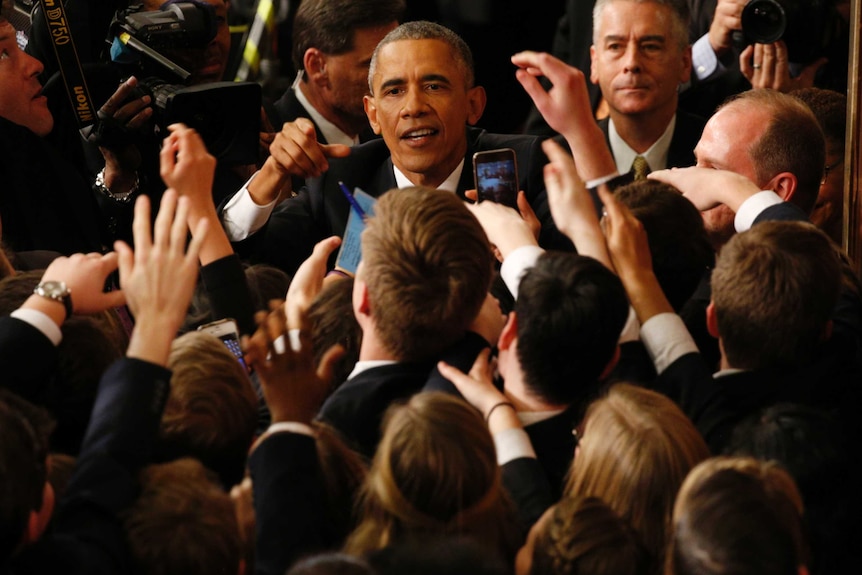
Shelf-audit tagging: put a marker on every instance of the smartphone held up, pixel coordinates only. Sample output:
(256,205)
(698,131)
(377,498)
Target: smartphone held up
(496,176)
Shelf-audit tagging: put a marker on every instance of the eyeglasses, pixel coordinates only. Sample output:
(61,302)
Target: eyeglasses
(829,168)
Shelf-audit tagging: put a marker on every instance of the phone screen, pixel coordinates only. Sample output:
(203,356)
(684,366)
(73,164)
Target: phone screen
(496,176)
(226,331)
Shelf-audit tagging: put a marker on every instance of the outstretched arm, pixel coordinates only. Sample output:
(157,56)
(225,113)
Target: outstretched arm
(566,108)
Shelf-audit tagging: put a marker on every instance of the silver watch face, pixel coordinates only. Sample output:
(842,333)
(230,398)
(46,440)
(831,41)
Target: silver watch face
(53,289)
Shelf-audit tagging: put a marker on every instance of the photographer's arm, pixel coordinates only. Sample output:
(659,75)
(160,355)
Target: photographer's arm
(122,159)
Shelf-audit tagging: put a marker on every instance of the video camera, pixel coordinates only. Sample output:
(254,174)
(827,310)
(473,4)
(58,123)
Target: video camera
(226,114)
(807,27)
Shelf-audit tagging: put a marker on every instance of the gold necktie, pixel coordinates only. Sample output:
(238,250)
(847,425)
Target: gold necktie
(640,167)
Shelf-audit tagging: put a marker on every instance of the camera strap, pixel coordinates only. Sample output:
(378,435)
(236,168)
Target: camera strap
(68,61)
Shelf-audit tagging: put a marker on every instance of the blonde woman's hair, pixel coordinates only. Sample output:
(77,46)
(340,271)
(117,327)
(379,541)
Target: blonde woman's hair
(435,473)
(637,447)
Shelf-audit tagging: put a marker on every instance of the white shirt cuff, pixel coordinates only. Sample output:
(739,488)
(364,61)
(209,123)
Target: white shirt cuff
(666,339)
(704,62)
(513,444)
(241,217)
(516,265)
(40,321)
(596,182)
(752,207)
(290,427)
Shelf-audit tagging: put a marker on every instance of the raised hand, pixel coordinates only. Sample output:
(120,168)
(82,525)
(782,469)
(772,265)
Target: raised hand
(766,66)
(293,386)
(572,207)
(158,278)
(566,107)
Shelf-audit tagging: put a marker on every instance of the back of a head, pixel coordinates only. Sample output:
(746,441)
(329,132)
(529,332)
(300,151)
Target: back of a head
(426,262)
(328,25)
(584,536)
(434,473)
(775,287)
(737,516)
(211,412)
(182,523)
(333,323)
(791,142)
(812,447)
(23,450)
(830,109)
(680,249)
(424,30)
(637,447)
(570,312)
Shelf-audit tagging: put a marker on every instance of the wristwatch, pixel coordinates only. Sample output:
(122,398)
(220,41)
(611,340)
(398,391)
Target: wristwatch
(56,291)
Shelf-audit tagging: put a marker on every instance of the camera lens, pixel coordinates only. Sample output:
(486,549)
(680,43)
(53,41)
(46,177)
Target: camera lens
(764,21)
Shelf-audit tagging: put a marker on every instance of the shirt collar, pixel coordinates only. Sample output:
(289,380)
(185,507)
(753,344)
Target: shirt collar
(450,184)
(330,131)
(656,155)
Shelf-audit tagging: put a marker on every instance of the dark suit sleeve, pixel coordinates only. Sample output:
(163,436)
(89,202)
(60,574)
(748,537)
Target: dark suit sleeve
(289,236)
(784,211)
(28,359)
(527,484)
(227,288)
(690,383)
(288,501)
(118,443)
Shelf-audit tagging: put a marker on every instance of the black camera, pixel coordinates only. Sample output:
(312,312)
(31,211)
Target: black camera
(807,27)
(226,114)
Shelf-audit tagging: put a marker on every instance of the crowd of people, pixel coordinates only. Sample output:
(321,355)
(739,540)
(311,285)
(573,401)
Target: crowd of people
(651,366)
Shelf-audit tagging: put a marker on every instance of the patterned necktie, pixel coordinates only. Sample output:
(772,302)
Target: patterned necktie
(640,167)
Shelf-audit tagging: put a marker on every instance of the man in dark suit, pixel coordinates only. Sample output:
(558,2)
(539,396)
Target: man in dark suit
(556,347)
(424,276)
(332,45)
(422,99)
(640,57)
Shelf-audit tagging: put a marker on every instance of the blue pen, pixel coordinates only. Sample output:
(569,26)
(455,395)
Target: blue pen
(351,199)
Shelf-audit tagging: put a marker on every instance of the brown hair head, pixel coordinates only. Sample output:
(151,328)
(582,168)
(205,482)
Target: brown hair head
(637,448)
(211,411)
(737,515)
(435,472)
(427,264)
(774,288)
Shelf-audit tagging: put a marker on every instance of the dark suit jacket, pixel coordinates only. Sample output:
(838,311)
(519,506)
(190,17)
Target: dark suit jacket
(320,209)
(46,202)
(289,502)
(686,135)
(87,535)
(357,407)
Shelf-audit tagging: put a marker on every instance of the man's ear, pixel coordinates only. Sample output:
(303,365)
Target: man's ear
(510,332)
(783,184)
(711,320)
(476,100)
(594,75)
(361,303)
(371,112)
(314,62)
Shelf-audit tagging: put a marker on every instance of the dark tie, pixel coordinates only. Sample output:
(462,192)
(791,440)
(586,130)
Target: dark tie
(640,167)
